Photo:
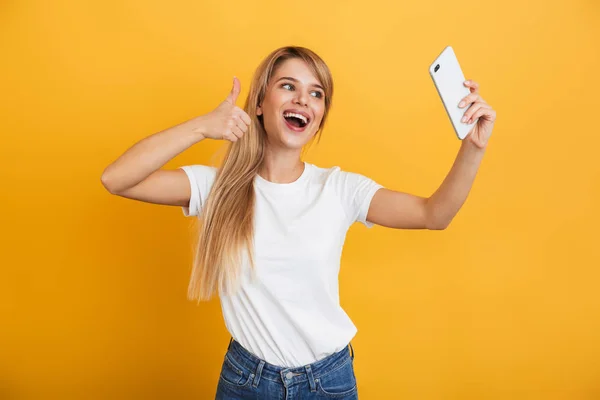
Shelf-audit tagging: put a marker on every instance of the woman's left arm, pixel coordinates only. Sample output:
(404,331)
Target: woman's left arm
(406,211)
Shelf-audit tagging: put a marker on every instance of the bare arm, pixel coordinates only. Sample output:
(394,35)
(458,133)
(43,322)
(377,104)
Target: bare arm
(395,209)
(136,174)
(403,210)
(150,154)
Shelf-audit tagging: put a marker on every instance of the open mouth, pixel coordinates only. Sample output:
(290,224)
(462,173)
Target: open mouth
(296,121)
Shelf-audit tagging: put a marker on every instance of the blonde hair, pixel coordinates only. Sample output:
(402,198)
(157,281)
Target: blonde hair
(226,232)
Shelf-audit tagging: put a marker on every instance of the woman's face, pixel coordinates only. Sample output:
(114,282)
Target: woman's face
(293,106)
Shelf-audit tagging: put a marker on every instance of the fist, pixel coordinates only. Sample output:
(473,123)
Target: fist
(227,121)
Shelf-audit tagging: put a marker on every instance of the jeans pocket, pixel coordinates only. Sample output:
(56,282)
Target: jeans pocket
(338,383)
(234,374)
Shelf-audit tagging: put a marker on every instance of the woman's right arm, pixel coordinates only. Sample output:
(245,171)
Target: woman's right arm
(136,174)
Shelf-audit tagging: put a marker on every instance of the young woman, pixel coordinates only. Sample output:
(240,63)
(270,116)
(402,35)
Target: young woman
(273,226)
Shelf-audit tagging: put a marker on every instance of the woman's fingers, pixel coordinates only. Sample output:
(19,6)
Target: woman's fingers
(486,112)
(468,99)
(474,112)
(241,124)
(229,136)
(237,132)
(244,116)
(473,96)
(472,85)
(235,91)
(236,127)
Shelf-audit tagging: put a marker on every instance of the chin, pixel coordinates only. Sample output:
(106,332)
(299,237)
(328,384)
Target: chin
(293,143)
(294,140)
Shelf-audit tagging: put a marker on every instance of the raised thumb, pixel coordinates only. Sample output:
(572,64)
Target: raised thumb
(235,91)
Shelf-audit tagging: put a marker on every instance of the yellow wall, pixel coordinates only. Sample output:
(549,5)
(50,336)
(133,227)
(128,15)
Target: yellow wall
(501,305)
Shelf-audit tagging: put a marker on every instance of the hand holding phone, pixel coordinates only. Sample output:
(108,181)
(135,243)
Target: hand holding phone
(449,82)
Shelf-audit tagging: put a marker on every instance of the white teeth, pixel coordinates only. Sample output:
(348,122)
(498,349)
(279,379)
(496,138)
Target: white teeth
(302,117)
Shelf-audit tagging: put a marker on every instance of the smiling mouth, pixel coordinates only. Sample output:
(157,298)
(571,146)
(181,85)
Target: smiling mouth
(296,120)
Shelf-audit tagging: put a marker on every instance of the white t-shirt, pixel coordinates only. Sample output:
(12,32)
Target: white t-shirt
(290,315)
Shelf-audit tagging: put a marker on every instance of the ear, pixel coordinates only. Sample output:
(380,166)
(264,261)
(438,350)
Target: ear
(258,110)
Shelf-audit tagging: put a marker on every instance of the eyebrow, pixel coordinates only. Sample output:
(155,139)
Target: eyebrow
(297,81)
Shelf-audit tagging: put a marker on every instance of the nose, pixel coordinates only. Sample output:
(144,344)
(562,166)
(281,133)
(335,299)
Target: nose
(301,98)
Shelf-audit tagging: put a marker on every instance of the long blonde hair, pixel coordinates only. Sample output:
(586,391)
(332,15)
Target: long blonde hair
(226,232)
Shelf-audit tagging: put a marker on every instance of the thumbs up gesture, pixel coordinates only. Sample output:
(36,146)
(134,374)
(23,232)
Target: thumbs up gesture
(227,121)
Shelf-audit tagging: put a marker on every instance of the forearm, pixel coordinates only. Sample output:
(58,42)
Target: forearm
(447,200)
(150,154)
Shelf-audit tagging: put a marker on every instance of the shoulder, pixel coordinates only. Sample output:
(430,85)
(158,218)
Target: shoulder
(337,176)
(199,169)
(322,174)
(354,191)
(200,176)
(199,172)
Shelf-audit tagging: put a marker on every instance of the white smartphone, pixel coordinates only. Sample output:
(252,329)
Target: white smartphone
(449,82)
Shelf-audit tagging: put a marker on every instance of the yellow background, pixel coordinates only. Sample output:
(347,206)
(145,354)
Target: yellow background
(503,304)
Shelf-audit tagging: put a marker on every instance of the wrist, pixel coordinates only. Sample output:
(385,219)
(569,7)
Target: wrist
(198,127)
(469,144)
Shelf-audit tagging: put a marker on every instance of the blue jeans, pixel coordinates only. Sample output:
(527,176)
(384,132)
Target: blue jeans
(246,376)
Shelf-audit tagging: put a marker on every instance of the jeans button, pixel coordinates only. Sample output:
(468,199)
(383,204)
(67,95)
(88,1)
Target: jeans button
(289,375)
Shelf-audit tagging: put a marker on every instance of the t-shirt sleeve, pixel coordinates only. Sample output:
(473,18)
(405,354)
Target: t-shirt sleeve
(356,192)
(201,179)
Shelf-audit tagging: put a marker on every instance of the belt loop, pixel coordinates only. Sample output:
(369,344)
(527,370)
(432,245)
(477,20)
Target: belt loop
(311,379)
(258,373)
(231,340)
(352,348)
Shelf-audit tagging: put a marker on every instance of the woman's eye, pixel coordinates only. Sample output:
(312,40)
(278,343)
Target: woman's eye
(318,93)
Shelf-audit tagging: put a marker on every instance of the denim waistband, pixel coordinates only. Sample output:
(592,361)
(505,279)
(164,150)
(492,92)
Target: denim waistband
(264,370)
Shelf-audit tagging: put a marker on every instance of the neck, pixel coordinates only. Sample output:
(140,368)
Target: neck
(281,168)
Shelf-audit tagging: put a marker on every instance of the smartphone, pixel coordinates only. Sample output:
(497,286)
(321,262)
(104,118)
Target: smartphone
(448,79)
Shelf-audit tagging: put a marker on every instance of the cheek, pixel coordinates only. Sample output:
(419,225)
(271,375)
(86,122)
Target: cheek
(319,115)
(272,119)
(268,111)
(276,98)
(271,107)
